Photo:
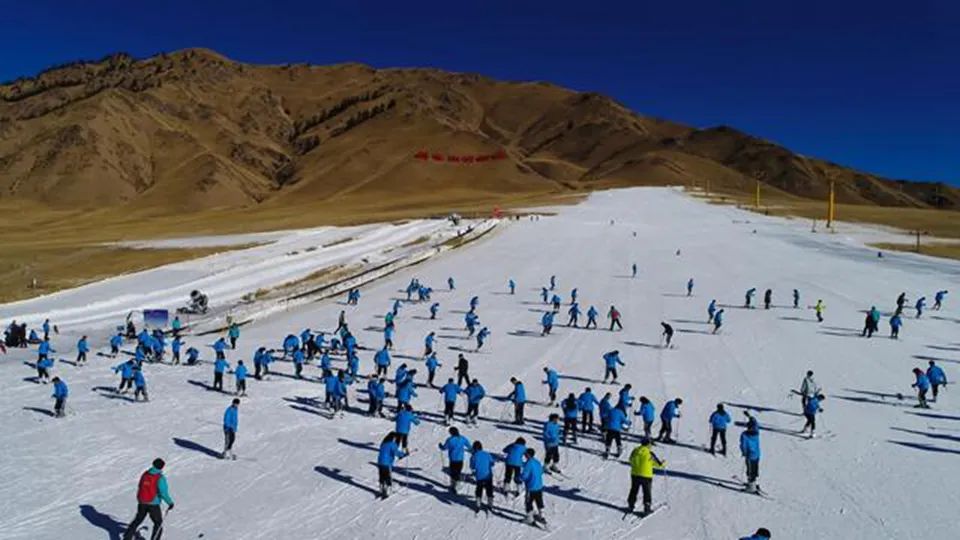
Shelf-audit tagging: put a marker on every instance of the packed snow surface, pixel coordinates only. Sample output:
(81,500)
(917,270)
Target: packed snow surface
(883,469)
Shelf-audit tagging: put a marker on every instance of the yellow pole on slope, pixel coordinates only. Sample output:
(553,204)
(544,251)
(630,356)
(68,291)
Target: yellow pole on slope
(831,206)
(756,198)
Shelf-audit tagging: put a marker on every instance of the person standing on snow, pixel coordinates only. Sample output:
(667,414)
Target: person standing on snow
(434,308)
(571,410)
(690,287)
(519,398)
(376,393)
(115,342)
(719,420)
(82,350)
(219,367)
(670,411)
(633,270)
(551,443)
(60,393)
(808,389)
(240,374)
(234,334)
(921,303)
(513,462)
(574,313)
(642,463)
(556,301)
(586,402)
(450,283)
(750,450)
(389,452)
(456,446)
(614,317)
(810,411)
(231,421)
(512,285)
(895,323)
(748,297)
(667,334)
(475,393)
(432,365)
(449,392)
(152,489)
(648,413)
(711,310)
(463,370)
(796,299)
(767,298)
(761,534)
(938,300)
(139,385)
(611,360)
(937,378)
(532,476)
(405,420)
(546,322)
(428,343)
(481,462)
(553,383)
(592,315)
(482,336)
(125,370)
(614,424)
(717,321)
(382,360)
(219,346)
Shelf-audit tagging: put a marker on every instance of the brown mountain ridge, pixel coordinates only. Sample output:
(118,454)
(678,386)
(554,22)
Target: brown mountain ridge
(193,130)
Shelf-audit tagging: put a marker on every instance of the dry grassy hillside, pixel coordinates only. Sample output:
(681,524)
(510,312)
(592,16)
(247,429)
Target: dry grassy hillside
(193,130)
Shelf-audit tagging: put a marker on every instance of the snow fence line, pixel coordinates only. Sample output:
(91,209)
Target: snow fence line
(251,312)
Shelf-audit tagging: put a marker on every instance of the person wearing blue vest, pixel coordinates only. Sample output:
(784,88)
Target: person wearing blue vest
(546,322)
(432,365)
(519,398)
(115,342)
(220,366)
(240,374)
(82,350)
(896,322)
(611,360)
(46,329)
(60,393)
(382,360)
(388,453)
(586,402)
(551,443)
(43,369)
(481,462)
(648,413)
(711,310)
(574,315)
(670,411)
(456,446)
(449,392)
(571,411)
(750,449)
(475,393)
(376,393)
(193,356)
(139,385)
(175,347)
(615,424)
(532,476)
(512,285)
(592,314)
(234,334)
(553,383)
(810,411)
(44,349)
(428,343)
(219,346)
(231,421)
(513,462)
(718,321)
(405,420)
(922,384)
(152,489)
(125,369)
(937,378)
(434,308)
(719,420)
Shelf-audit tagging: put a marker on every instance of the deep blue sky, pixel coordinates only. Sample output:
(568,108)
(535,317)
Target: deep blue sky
(866,84)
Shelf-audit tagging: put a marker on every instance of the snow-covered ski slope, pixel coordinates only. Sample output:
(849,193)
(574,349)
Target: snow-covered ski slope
(887,471)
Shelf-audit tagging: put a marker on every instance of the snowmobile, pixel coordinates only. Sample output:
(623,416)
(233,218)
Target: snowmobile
(198,303)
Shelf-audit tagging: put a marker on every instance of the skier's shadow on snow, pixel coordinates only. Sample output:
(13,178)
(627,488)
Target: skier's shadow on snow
(463,349)
(458,311)
(944,348)
(524,333)
(196,447)
(690,331)
(449,336)
(855,333)
(640,344)
(68,362)
(926,447)
(422,318)
(940,436)
(688,321)
(113,528)
(774,429)
(45,412)
(718,482)
(337,474)
(206,386)
(581,379)
(873,401)
(936,359)
(934,415)
(798,319)
(674,295)
(760,408)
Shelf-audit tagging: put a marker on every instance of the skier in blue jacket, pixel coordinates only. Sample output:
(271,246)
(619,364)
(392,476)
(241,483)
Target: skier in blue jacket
(125,369)
(670,411)
(482,336)
(60,393)
(519,398)
(937,378)
(938,300)
(43,369)
(240,376)
(513,462)
(719,420)
(717,321)
(428,343)
(574,313)
(922,384)
(555,300)
(690,287)
(512,285)
(139,385)
(896,322)
(404,421)
(648,413)
(481,462)
(432,365)
(611,360)
(750,449)
(231,422)
(761,534)
(532,476)
(388,453)
(449,392)
(175,347)
(475,393)
(544,295)
(220,366)
(456,446)
(553,383)
(382,360)
(810,411)
(711,310)
(592,314)
(551,443)
(615,423)
(193,356)
(571,411)
(82,350)
(375,396)
(434,308)
(406,391)
(219,346)
(546,322)
(921,303)
(586,402)
(624,399)
(44,349)
(115,342)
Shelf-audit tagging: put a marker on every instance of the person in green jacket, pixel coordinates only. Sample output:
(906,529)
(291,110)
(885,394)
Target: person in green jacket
(642,463)
(152,489)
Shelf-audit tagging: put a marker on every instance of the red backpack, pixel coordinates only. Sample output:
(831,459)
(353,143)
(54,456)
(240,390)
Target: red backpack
(147,489)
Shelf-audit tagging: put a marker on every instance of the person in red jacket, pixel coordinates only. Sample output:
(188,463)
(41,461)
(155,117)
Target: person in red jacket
(151,491)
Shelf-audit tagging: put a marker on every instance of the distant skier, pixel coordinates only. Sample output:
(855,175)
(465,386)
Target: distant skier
(513,462)
(456,446)
(761,534)
(219,346)
(451,284)
(895,324)
(474,302)
(748,297)
(463,370)
(405,420)
(449,391)
(519,398)
(125,369)
(43,369)
(808,389)
(193,356)
(717,321)
(796,299)
(60,393)
(937,378)
(642,463)
(82,349)
(711,310)
(482,336)
(690,287)
(46,329)
(382,361)
(592,315)
(667,334)
(901,301)
(870,323)
(573,296)
(818,308)
(231,421)
(670,411)
(938,300)
(647,413)
(152,489)
(633,270)
(922,384)
(234,334)
(613,426)
(481,462)
(389,452)
(44,350)
(175,347)
(512,286)
(624,399)
(434,308)
(432,365)
(586,401)
(810,411)
(532,476)
(767,298)
(139,385)
(750,450)
(116,341)
(551,443)
(614,316)
(574,313)
(719,420)
(546,323)
(544,295)
(475,394)
(553,383)
(553,282)
(555,300)
(219,367)
(571,410)
(919,305)
(240,377)
(298,360)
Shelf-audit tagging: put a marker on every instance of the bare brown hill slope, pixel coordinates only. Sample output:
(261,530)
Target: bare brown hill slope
(193,130)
